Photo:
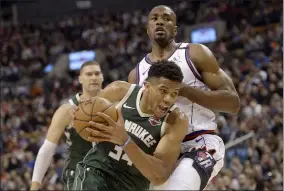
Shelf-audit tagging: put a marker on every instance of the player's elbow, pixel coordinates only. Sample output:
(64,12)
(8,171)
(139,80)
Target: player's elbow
(161,177)
(156,181)
(236,104)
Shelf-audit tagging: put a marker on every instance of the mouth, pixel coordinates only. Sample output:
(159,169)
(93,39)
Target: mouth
(163,109)
(160,30)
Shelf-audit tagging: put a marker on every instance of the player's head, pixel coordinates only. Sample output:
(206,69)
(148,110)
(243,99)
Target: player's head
(91,77)
(162,86)
(161,27)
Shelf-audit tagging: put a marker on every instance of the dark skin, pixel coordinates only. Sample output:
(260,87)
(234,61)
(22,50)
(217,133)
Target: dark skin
(162,30)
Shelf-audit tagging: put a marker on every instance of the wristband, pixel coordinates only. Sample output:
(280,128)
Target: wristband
(126,143)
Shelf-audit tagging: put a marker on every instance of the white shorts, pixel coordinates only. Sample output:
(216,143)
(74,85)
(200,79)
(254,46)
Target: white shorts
(185,177)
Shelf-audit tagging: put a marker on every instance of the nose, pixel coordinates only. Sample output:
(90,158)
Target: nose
(168,99)
(160,21)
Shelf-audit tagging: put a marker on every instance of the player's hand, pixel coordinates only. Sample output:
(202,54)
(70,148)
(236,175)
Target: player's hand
(182,91)
(35,186)
(115,132)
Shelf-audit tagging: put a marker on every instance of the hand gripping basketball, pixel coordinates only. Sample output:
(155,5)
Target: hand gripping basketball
(114,132)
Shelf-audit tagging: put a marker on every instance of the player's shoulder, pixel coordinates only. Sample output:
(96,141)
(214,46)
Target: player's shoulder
(119,85)
(177,123)
(177,116)
(63,108)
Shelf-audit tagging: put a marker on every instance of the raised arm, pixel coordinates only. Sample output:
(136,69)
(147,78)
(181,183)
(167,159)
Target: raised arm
(223,95)
(60,121)
(115,91)
(157,168)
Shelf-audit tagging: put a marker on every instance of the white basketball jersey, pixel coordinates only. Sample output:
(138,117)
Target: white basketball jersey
(200,118)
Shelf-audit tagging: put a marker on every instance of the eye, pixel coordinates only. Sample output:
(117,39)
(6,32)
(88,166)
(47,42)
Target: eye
(166,19)
(163,91)
(174,94)
(154,18)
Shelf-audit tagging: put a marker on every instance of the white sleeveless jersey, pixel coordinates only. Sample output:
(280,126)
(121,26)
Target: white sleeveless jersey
(200,118)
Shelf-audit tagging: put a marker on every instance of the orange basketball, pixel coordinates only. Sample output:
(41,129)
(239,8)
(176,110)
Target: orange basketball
(87,112)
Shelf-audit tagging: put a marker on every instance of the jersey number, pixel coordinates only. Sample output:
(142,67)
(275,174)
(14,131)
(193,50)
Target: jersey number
(117,155)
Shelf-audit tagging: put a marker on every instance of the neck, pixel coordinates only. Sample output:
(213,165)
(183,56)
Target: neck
(144,104)
(88,95)
(161,52)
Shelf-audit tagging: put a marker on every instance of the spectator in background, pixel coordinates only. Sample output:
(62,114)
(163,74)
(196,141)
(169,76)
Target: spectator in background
(250,52)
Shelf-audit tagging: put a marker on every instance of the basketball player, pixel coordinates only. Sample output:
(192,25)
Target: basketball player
(207,88)
(144,144)
(91,79)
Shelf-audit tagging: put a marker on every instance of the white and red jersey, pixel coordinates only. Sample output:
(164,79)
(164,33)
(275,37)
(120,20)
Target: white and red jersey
(200,118)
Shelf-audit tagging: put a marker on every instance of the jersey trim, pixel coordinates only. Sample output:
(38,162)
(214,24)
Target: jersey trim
(126,96)
(163,126)
(190,64)
(147,59)
(74,100)
(137,74)
(138,105)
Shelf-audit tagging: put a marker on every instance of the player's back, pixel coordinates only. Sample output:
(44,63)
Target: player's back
(77,149)
(200,118)
(111,161)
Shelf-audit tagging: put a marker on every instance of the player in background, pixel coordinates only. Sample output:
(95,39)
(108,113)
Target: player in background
(91,79)
(207,88)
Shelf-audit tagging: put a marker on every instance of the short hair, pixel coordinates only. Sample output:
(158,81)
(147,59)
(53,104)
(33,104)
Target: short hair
(166,69)
(88,63)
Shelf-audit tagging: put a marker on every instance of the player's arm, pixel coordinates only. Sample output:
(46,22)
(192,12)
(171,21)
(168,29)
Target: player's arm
(60,121)
(132,76)
(223,96)
(157,168)
(115,91)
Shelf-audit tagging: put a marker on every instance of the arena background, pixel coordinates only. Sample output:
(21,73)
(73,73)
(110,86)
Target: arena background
(37,40)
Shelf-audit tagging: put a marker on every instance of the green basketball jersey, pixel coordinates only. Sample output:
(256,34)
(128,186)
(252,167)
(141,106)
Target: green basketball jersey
(144,129)
(78,147)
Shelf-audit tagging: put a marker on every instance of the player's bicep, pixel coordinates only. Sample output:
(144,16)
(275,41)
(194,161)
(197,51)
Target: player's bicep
(60,120)
(218,81)
(212,75)
(115,91)
(168,151)
(169,146)
(132,77)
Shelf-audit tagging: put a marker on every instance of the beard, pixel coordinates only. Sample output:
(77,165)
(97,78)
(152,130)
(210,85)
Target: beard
(162,40)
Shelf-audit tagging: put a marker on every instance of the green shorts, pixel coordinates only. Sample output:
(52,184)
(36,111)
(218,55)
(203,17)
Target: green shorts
(89,178)
(68,177)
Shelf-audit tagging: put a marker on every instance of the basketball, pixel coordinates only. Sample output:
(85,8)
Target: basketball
(87,112)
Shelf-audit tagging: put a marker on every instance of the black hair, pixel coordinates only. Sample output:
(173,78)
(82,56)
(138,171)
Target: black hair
(166,69)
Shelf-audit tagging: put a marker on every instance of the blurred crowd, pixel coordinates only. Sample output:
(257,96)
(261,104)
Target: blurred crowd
(250,52)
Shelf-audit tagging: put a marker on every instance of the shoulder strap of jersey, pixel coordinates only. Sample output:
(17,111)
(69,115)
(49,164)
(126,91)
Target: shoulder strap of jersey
(126,96)
(75,99)
(163,127)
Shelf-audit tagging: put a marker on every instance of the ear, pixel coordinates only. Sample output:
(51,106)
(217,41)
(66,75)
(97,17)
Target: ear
(147,85)
(175,31)
(80,79)
(147,30)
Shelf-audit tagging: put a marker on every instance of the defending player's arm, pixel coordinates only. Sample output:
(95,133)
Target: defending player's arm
(155,168)
(132,76)
(60,121)
(115,91)
(223,96)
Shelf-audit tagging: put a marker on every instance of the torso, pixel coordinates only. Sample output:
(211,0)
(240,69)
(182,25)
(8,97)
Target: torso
(200,118)
(144,130)
(78,147)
